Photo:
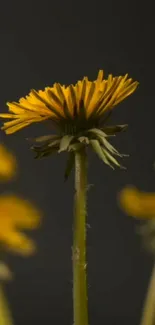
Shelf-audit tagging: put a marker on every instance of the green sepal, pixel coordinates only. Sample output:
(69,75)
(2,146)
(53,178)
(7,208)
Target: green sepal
(54,143)
(101,136)
(44,138)
(47,145)
(65,142)
(112,159)
(45,153)
(75,146)
(99,151)
(46,149)
(112,130)
(69,165)
(83,140)
(97,132)
(109,147)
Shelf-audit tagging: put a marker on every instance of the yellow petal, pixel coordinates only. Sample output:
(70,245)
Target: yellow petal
(10,116)
(69,102)
(99,77)
(47,101)
(20,123)
(78,90)
(54,100)
(14,128)
(88,86)
(110,95)
(15,108)
(128,91)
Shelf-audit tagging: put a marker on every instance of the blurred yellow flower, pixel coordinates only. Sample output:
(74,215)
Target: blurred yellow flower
(16,214)
(5,273)
(74,107)
(8,164)
(137,203)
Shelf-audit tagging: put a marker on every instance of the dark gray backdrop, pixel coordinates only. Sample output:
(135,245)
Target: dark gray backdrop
(47,41)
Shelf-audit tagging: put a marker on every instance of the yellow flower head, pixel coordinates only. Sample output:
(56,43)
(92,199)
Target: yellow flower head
(8,164)
(16,214)
(77,111)
(136,203)
(85,102)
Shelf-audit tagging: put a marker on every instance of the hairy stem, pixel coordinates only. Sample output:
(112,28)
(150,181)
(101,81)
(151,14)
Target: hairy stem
(80,307)
(148,316)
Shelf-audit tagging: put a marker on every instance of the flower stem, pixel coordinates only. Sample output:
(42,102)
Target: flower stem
(148,316)
(80,307)
(5,317)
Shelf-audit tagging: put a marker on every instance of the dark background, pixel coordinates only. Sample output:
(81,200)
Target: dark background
(47,41)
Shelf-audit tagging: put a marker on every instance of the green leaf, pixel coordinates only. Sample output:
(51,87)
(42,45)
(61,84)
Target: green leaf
(65,142)
(111,130)
(98,149)
(69,165)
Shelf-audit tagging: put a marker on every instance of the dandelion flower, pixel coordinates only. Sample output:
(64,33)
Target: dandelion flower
(78,112)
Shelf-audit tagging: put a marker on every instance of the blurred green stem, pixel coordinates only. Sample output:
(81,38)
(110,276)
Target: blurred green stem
(148,316)
(5,316)
(80,304)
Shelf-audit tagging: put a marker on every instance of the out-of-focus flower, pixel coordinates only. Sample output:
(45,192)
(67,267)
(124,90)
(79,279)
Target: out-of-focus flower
(137,203)
(79,112)
(8,164)
(5,273)
(17,214)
